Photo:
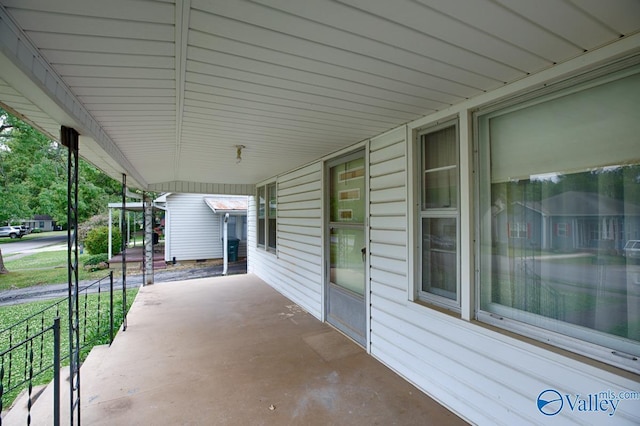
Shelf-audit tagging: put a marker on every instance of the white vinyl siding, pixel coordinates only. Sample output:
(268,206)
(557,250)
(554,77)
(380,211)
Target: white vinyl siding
(482,375)
(424,345)
(296,271)
(193,229)
(485,375)
(479,374)
(388,222)
(253,256)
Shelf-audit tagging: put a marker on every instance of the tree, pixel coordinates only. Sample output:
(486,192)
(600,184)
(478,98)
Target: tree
(3,270)
(33,178)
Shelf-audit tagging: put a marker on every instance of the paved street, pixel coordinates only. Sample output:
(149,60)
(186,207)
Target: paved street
(33,245)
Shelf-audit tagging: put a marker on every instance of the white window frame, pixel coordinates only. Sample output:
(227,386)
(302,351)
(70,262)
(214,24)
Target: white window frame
(567,336)
(267,218)
(518,230)
(419,295)
(269,225)
(261,244)
(563,229)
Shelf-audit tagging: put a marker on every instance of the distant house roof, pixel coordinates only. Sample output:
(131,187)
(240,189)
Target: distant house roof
(226,204)
(575,203)
(42,217)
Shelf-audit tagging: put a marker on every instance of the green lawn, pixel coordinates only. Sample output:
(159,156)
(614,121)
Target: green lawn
(94,330)
(49,267)
(42,260)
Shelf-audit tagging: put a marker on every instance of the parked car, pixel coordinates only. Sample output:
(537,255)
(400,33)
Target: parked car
(632,250)
(10,231)
(25,229)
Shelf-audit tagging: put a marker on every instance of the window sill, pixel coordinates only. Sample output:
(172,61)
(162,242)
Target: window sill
(268,250)
(423,305)
(601,365)
(513,338)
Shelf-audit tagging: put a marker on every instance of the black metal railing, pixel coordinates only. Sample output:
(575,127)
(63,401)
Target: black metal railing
(29,355)
(37,361)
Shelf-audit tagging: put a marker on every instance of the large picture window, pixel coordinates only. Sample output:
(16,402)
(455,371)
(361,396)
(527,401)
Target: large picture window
(559,201)
(439,215)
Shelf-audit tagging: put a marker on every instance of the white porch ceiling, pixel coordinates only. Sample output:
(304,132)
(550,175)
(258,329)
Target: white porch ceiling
(164,90)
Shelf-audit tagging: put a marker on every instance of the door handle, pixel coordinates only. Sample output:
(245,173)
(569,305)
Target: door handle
(363,250)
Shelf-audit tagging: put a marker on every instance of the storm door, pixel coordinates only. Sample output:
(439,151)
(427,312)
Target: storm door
(347,255)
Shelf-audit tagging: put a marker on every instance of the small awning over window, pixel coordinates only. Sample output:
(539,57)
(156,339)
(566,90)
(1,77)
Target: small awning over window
(231,205)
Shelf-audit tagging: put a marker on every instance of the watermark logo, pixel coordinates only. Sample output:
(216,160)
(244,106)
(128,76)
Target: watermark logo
(551,402)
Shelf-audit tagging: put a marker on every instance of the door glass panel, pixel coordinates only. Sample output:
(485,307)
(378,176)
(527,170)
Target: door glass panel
(347,192)
(347,259)
(347,225)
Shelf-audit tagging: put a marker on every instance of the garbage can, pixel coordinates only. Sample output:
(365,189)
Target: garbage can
(232,249)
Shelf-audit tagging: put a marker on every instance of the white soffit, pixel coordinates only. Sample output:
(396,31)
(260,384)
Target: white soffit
(176,85)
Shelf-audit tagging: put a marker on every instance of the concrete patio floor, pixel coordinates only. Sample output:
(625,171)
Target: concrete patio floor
(232,351)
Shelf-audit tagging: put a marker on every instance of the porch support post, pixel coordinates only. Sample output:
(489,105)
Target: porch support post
(148,240)
(123,247)
(225,244)
(144,239)
(110,243)
(69,138)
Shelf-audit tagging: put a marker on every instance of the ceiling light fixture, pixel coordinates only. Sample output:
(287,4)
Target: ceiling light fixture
(239,149)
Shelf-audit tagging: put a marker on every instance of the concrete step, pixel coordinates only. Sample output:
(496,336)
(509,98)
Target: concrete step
(18,412)
(159,265)
(97,355)
(42,412)
(42,407)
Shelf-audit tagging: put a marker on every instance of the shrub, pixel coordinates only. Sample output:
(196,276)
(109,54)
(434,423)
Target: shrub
(96,259)
(97,240)
(96,262)
(93,222)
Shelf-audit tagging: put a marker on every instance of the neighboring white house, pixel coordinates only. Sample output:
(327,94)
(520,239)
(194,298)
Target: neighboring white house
(194,225)
(42,222)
